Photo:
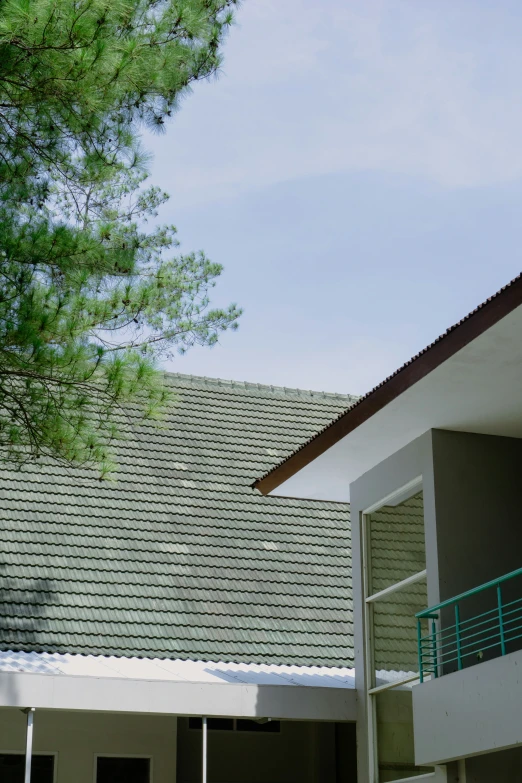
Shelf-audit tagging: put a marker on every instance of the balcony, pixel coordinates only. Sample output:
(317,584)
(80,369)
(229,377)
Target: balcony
(470,662)
(458,637)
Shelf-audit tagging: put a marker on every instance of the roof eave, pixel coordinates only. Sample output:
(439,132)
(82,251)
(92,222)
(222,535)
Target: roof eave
(447,345)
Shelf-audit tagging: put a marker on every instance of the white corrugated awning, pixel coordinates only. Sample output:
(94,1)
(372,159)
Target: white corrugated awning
(85,682)
(176,670)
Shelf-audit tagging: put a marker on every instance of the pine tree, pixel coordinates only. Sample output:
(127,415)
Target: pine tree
(91,294)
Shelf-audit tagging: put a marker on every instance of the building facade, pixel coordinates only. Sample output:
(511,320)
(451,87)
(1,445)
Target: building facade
(133,608)
(430,462)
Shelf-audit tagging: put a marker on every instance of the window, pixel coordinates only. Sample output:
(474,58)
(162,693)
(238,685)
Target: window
(237,724)
(12,768)
(394,567)
(111,769)
(268,727)
(213,724)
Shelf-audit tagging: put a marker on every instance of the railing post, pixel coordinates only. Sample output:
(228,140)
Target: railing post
(434,648)
(457,632)
(419,646)
(433,645)
(501,621)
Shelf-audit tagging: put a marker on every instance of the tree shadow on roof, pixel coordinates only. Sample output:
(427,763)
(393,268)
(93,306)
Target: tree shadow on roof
(23,623)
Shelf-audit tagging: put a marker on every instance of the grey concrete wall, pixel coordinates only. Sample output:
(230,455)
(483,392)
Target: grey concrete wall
(387,477)
(501,767)
(77,737)
(474,711)
(395,736)
(303,752)
(478,499)
(474,536)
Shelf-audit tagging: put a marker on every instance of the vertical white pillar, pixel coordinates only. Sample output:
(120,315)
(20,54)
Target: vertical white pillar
(204,760)
(29,745)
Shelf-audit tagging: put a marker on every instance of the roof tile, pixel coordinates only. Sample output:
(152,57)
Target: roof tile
(179,557)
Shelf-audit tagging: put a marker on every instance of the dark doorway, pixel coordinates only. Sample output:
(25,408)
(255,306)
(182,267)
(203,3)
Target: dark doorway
(110,769)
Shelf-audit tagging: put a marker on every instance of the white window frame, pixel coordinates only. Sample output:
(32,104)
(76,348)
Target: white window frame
(123,756)
(369,599)
(53,753)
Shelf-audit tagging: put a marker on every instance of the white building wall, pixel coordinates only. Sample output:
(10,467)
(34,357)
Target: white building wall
(470,712)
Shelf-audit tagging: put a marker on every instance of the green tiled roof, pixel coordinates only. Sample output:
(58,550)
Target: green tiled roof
(179,557)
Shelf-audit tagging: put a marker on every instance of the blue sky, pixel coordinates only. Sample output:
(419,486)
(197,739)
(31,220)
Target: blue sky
(357,168)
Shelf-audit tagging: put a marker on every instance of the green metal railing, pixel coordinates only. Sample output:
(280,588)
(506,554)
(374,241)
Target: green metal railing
(464,641)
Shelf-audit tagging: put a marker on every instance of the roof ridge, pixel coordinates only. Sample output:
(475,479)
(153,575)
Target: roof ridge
(235,384)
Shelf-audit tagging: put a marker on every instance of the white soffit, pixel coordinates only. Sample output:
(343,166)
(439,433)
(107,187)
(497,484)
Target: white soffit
(478,389)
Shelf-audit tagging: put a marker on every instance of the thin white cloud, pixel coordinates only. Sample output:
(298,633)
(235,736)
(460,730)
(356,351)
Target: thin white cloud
(313,87)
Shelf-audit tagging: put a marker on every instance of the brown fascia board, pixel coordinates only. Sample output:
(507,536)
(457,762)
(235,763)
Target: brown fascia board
(444,347)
